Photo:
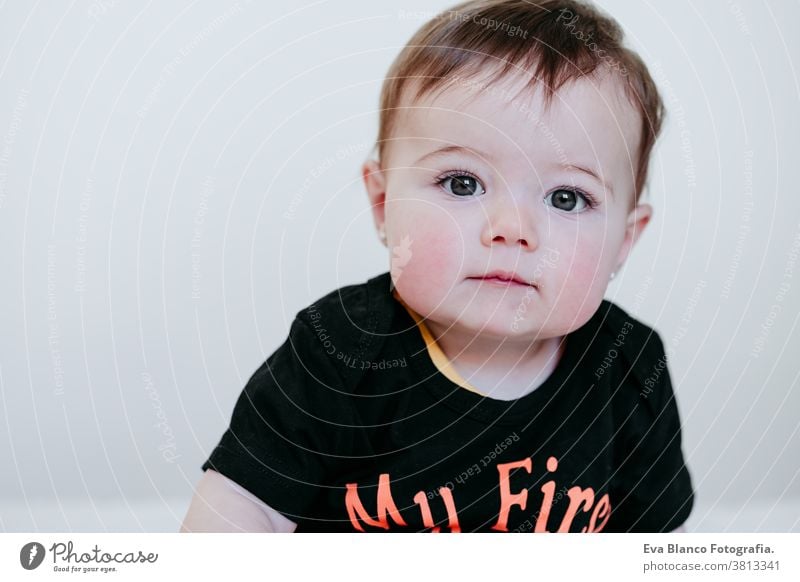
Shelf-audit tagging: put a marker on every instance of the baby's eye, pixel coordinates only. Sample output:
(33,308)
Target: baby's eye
(462,185)
(568,199)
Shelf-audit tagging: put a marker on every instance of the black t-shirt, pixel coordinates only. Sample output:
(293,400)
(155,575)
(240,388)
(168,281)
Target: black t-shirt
(350,426)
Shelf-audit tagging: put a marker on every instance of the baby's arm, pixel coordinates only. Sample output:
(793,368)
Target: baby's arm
(221,505)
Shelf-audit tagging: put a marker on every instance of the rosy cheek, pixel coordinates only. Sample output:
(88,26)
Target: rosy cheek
(580,283)
(434,260)
(587,270)
(436,255)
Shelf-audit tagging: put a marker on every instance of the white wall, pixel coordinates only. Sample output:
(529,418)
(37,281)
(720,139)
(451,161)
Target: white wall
(160,225)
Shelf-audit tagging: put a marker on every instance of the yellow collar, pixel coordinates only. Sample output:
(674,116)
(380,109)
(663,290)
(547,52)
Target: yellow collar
(436,354)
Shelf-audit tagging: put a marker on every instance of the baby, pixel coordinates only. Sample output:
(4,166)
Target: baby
(483,383)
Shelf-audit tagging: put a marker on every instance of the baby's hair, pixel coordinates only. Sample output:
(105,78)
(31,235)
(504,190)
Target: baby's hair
(556,41)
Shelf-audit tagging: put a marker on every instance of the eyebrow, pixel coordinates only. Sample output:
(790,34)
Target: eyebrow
(457,149)
(590,172)
(452,149)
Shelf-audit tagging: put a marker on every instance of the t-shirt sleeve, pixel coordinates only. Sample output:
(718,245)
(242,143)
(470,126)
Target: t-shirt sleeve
(652,485)
(288,428)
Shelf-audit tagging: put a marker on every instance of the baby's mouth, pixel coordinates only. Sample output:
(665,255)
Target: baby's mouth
(504,278)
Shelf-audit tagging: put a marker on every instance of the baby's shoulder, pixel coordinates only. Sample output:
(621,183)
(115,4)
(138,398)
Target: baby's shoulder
(349,323)
(633,341)
(355,309)
(627,331)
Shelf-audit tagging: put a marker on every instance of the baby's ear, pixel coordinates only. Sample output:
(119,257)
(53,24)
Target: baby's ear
(375,183)
(637,220)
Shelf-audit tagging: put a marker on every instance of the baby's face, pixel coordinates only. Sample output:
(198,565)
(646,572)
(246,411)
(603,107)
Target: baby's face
(473,184)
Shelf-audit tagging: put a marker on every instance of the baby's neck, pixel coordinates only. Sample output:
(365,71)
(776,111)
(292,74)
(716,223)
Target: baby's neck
(506,368)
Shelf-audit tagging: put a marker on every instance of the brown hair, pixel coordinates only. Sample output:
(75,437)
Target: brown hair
(556,40)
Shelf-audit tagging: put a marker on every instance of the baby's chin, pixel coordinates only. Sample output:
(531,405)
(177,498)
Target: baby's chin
(495,324)
(528,320)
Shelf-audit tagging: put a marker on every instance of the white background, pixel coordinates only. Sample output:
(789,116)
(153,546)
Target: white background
(166,207)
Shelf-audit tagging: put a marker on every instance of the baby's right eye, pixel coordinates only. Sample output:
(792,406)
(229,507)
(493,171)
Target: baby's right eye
(462,185)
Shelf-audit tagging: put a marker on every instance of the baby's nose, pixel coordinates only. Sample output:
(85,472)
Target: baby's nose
(510,225)
(502,239)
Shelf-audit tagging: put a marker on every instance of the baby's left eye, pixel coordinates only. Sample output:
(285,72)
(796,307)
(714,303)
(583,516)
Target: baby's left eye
(568,199)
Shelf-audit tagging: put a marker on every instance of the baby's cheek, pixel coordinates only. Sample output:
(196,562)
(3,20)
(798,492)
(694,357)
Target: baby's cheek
(434,260)
(583,287)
